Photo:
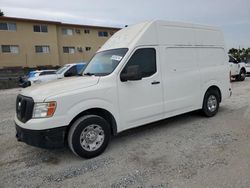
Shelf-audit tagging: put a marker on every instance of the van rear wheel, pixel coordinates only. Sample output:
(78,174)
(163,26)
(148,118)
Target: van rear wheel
(89,136)
(211,103)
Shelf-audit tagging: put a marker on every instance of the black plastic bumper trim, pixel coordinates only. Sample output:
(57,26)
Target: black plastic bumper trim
(48,138)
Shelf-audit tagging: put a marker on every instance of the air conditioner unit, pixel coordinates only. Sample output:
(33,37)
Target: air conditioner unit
(79,49)
(78,31)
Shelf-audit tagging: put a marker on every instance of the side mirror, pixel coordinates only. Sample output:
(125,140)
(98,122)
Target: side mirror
(132,74)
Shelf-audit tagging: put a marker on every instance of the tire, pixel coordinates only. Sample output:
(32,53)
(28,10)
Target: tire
(242,75)
(86,132)
(209,108)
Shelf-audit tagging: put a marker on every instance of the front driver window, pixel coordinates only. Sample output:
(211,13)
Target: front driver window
(232,60)
(72,71)
(145,59)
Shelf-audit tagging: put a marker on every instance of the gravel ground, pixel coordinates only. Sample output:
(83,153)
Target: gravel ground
(184,151)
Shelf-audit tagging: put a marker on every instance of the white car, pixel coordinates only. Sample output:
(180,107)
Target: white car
(237,69)
(67,70)
(248,67)
(41,75)
(26,80)
(142,74)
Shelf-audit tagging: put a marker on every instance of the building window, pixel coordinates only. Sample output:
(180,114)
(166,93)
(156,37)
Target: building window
(42,49)
(103,34)
(67,31)
(87,48)
(79,49)
(69,50)
(86,31)
(40,28)
(78,31)
(14,49)
(8,26)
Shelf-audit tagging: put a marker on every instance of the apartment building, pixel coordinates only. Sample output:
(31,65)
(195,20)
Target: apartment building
(32,43)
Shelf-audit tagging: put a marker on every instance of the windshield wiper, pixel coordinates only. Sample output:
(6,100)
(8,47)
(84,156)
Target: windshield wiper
(89,74)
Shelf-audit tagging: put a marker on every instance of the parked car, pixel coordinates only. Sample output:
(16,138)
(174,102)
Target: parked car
(67,70)
(142,74)
(237,69)
(248,67)
(26,80)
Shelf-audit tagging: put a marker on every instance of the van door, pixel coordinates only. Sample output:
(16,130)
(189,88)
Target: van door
(181,79)
(141,101)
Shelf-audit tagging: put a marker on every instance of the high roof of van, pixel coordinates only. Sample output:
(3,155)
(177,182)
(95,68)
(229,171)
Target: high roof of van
(165,33)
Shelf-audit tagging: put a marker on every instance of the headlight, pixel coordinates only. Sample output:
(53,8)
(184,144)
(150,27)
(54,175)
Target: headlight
(44,110)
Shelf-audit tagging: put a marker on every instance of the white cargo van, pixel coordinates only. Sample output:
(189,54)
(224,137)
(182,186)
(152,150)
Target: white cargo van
(142,74)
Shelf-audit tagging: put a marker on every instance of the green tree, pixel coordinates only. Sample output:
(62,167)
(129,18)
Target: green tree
(240,54)
(235,53)
(247,55)
(1,13)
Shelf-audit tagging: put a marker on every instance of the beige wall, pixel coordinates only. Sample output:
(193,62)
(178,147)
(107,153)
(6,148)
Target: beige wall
(80,40)
(26,39)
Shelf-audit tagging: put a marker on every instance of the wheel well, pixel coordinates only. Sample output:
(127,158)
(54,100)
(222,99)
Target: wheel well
(217,89)
(99,112)
(244,69)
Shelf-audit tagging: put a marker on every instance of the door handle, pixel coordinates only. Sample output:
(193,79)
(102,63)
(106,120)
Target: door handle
(155,82)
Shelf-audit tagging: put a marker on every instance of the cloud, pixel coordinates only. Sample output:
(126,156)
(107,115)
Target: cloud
(232,16)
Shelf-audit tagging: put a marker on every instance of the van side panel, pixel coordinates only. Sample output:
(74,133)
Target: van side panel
(188,73)
(181,78)
(208,37)
(173,35)
(214,69)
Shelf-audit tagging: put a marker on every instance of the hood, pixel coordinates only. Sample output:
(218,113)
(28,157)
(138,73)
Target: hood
(40,92)
(42,77)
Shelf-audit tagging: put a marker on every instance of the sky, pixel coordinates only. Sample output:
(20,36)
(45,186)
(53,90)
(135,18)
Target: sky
(232,16)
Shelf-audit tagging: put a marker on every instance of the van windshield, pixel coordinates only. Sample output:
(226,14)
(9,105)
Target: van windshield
(62,69)
(31,74)
(105,62)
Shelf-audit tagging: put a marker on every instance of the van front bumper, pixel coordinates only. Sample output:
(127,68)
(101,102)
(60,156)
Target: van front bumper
(48,138)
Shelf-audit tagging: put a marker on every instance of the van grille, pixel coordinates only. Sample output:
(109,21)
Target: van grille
(24,108)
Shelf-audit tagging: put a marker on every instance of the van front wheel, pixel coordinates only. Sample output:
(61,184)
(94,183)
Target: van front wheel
(211,103)
(89,136)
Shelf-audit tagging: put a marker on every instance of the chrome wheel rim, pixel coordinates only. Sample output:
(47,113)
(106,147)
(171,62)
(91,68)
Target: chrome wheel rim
(92,137)
(212,103)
